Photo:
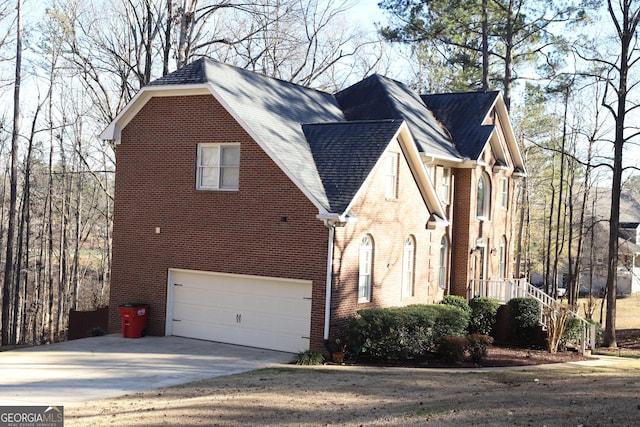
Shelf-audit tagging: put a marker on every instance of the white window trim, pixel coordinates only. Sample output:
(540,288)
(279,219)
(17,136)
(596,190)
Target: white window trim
(220,167)
(504,190)
(482,212)
(503,258)
(391,173)
(365,269)
(443,263)
(408,266)
(446,185)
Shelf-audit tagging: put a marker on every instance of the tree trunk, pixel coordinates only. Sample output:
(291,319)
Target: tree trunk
(485,48)
(626,33)
(508,56)
(559,216)
(166,49)
(8,282)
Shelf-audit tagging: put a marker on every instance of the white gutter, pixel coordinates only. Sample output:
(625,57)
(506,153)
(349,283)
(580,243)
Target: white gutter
(331,221)
(327,300)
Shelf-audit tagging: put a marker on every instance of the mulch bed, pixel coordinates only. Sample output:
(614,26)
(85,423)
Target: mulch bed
(509,356)
(497,356)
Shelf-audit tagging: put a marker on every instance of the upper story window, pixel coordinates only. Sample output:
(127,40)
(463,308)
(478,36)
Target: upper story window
(442,264)
(391,174)
(218,167)
(446,185)
(408,262)
(503,257)
(483,197)
(504,193)
(431,168)
(365,269)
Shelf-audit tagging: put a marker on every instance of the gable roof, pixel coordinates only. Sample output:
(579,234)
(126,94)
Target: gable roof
(463,114)
(378,97)
(333,146)
(327,144)
(270,110)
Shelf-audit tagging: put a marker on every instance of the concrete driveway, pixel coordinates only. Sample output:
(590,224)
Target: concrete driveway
(72,372)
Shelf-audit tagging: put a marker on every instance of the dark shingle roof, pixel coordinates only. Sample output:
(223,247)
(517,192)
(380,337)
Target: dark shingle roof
(378,97)
(343,135)
(345,153)
(193,73)
(462,114)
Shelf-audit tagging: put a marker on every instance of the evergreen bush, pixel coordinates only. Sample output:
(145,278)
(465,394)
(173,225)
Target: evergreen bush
(524,318)
(457,301)
(400,333)
(483,315)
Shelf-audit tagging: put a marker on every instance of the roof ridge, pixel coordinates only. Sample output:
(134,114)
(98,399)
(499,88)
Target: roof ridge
(355,122)
(242,70)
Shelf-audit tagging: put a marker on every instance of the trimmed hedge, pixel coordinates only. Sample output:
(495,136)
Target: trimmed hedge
(399,333)
(483,315)
(457,301)
(524,317)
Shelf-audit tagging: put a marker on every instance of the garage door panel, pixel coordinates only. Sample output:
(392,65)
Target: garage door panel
(247,310)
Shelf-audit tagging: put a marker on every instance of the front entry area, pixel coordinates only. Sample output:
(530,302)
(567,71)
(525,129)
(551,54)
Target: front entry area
(263,312)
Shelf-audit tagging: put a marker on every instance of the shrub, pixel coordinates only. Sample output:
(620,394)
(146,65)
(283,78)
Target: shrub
(403,332)
(452,348)
(557,318)
(477,345)
(483,315)
(572,332)
(524,316)
(457,301)
(451,322)
(308,357)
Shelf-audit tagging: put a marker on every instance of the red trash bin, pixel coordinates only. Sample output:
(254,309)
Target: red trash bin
(134,320)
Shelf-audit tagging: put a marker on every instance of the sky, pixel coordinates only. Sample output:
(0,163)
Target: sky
(366,12)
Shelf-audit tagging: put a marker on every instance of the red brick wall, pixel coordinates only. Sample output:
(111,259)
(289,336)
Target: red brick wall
(467,229)
(224,231)
(460,241)
(389,222)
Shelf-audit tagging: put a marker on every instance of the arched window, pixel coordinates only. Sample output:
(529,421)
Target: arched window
(365,269)
(483,197)
(442,263)
(408,259)
(503,257)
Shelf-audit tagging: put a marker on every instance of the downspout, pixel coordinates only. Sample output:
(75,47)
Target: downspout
(328,283)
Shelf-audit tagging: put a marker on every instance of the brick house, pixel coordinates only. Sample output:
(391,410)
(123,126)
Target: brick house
(257,212)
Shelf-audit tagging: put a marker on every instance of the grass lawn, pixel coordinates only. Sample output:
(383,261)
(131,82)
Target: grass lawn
(627,311)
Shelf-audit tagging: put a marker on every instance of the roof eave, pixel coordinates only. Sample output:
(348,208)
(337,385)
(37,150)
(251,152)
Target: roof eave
(336,219)
(422,177)
(113,131)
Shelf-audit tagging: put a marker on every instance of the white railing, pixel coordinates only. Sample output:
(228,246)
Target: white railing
(506,289)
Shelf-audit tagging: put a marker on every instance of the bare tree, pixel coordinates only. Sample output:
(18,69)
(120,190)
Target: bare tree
(625,21)
(8,282)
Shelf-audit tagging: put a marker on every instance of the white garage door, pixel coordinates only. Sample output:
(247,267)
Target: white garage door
(246,310)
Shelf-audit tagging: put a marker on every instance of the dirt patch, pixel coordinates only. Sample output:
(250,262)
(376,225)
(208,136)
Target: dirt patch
(355,395)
